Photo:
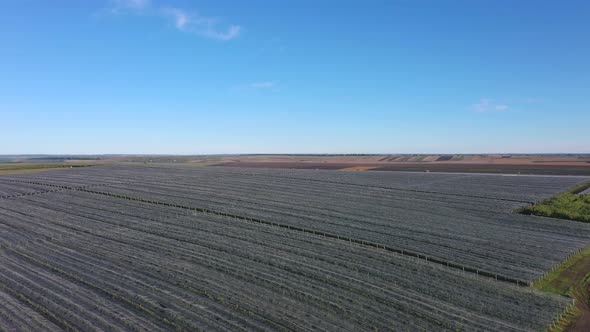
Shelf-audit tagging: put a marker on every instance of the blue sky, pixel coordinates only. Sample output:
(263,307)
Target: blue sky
(203,77)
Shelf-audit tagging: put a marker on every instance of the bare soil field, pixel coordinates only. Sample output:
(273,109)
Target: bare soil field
(570,160)
(506,164)
(531,168)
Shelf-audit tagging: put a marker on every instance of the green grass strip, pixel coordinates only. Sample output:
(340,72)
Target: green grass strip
(570,278)
(568,205)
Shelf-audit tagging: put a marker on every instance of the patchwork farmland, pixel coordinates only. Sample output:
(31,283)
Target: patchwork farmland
(230,249)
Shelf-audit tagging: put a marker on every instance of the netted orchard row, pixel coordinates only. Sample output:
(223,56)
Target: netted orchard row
(19,315)
(514,187)
(17,188)
(519,188)
(147,266)
(460,230)
(98,175)
(478,233)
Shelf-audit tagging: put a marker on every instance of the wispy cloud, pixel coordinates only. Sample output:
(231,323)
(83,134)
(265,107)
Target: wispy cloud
(179,16)
(119,6)
(262,85)
(526,100)
(135,3)
(204,26)
(183,20)
(488,105)
(271,86)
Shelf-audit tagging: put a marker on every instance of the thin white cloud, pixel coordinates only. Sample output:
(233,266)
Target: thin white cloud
(179,16)
(199,25)
(526,100)
(263,85)
(183,20)
(253,86)
(122,5)
(488,105)
(232,32)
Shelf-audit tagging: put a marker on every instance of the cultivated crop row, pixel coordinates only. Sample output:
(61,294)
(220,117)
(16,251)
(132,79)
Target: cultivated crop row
(478,233)
(89,261)
(522,188)
(16,314)
(13,189)
(514,187)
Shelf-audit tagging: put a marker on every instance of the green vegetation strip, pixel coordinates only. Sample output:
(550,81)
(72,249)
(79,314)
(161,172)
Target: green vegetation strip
(569,205)
(571,278)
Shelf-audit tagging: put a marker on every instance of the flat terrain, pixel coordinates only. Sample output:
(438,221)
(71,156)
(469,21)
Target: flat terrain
(564,206)
(505,164)
(552,164)
(541,169)
(571,278)
(19,168)
(228,248)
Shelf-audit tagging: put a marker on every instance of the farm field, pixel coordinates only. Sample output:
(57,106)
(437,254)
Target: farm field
(218,248)
(451,166)
(508,164)
(19,168)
